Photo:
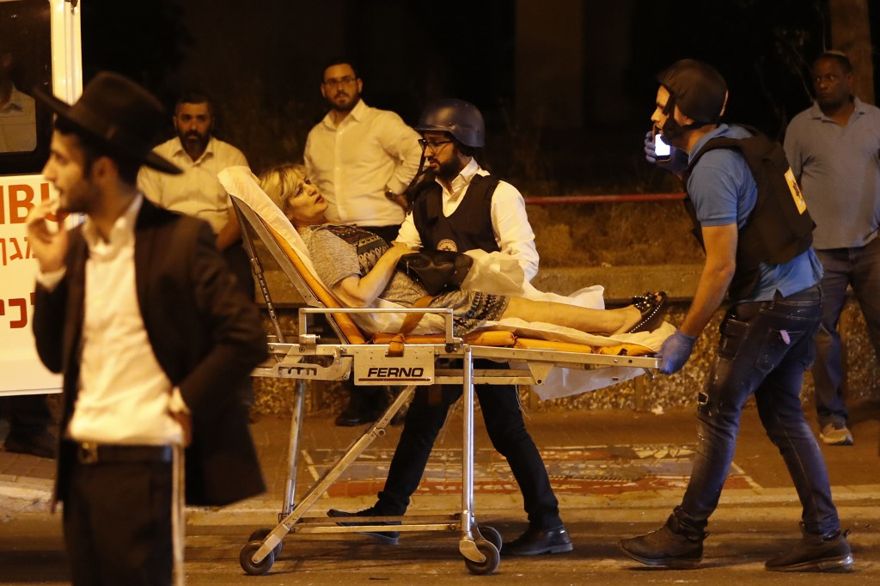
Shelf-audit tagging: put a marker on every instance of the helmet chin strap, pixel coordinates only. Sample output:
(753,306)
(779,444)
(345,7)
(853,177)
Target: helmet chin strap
(671,129)
(422,177)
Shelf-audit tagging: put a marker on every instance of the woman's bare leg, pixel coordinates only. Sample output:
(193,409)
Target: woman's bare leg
(591,321)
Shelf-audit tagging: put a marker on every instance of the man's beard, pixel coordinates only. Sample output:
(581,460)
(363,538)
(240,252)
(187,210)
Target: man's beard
(449,170)
(348,104)
(78,200)
(194,141)
(672,131)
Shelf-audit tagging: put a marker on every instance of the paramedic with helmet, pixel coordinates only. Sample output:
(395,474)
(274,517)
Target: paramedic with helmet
(767,334)
(459,206)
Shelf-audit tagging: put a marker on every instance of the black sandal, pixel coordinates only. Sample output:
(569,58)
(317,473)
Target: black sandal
(652,306)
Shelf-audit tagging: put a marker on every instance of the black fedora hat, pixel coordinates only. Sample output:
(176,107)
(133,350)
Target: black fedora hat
(119,113)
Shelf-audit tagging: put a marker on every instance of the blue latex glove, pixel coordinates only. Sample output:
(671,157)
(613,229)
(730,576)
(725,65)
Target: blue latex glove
(675,351)
(676,163)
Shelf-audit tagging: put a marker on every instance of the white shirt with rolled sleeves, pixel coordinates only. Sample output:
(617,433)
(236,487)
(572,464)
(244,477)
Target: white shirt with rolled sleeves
(510,222)
(197,191)
(371,152)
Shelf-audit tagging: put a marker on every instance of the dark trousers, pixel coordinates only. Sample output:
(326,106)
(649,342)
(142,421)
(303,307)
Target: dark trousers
(369,401)
(507,430)
(765,349)
(860,268)
(117,523)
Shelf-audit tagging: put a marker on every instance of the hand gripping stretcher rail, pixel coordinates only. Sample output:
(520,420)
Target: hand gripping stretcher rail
(417,360)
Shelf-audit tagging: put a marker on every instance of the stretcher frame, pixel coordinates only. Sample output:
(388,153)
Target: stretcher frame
(309,358)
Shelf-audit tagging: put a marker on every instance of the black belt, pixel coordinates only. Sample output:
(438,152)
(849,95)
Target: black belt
(747,310)
(93,453)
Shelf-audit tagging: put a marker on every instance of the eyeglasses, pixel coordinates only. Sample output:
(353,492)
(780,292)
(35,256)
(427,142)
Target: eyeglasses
(337,81)
(434,145)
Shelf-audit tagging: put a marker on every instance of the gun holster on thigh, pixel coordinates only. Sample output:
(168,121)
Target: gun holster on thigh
(735,326)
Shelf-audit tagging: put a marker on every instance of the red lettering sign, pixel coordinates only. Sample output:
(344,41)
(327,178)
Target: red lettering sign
(16,201)
(21,200)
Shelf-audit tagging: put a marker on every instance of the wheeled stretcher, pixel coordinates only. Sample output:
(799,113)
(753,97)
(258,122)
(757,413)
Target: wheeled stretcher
(388,358)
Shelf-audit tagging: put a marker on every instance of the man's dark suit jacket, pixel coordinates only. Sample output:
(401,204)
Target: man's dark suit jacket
(206,336)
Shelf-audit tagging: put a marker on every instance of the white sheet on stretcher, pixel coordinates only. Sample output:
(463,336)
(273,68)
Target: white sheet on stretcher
(491,273)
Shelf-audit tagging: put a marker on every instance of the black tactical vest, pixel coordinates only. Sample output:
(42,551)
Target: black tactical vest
(470,225)
(779,227)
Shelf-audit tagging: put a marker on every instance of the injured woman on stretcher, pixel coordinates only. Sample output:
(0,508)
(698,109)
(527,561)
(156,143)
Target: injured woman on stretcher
(361,270)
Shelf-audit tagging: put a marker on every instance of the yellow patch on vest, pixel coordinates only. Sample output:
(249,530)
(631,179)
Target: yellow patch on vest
(795,190)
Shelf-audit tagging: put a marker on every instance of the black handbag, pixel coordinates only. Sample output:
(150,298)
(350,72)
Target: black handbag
(436,270)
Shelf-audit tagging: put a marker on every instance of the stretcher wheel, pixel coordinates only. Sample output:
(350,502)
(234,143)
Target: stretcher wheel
(491,535)
(261,535)
(247,564)
(493,558)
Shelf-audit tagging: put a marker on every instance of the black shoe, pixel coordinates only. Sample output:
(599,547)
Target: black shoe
(365,405)
(815,553)
(538,541)
(43,445)
(352,416)
(667,547)
(388,537)
(652,307)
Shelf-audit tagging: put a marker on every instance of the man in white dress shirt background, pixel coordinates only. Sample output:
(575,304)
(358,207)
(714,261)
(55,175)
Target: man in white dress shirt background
(361,159)
(197,191)
(18,122)
(29,416)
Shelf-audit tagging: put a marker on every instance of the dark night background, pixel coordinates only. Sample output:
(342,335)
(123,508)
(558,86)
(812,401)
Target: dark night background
(570,123)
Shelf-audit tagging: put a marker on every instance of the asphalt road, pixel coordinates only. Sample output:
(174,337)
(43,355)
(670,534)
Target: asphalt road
(757,517)
(734,554)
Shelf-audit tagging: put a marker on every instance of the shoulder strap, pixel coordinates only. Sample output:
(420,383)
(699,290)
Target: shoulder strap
(755,145)
(741,145)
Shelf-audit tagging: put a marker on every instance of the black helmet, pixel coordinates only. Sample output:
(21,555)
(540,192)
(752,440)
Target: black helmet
(459,118)
(697,88)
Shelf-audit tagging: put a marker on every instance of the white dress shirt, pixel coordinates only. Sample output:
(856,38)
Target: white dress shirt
(510,222)
(353,165)
(18,123)
(124,395)
(197,191)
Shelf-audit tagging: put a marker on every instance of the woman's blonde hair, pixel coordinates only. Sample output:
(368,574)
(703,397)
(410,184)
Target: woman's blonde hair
(282,181)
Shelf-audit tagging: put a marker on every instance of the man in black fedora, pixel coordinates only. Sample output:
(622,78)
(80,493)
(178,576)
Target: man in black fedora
(139,311)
